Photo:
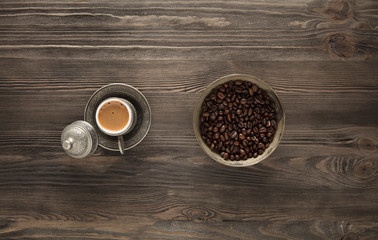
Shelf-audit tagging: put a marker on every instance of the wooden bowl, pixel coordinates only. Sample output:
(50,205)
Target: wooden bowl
(280,117)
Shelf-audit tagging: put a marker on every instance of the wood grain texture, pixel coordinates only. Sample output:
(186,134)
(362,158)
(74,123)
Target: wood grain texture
(320,57)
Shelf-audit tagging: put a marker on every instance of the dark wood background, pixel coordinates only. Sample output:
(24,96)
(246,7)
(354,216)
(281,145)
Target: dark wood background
(320,56)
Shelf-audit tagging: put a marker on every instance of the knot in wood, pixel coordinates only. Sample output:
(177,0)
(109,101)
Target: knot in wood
(365,169)
(367,145)
(198,215)
(340,45)
(338,10)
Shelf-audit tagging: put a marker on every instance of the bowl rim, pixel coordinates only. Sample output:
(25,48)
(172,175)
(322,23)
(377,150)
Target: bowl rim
(216,157)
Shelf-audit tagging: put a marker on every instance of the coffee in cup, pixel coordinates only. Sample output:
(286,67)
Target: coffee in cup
(116,117)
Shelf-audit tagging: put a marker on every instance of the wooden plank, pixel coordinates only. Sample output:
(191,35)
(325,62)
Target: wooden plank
(290,31)
(109,228)
(83,77)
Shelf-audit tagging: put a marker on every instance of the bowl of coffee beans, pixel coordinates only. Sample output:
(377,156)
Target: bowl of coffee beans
(238,120)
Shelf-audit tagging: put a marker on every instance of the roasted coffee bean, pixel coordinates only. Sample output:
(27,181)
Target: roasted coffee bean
(262,130)
(226,137)
(242,152)
(236,149)
(273,122)
(229,118)
(244,132)
(205,114)
(221,95)
(238,90)
(238,82)
(232,148)
(234,134)
(238,120)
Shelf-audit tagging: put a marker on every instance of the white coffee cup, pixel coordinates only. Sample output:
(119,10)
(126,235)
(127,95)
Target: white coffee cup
(127,128)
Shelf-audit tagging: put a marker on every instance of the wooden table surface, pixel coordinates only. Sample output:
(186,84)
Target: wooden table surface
(320,56)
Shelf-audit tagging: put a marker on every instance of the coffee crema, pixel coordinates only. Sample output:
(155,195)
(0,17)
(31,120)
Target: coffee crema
(113,116)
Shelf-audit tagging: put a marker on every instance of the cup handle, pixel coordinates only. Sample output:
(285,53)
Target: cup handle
(121,144)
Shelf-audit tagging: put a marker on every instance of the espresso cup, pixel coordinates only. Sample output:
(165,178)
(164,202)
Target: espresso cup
(116,117)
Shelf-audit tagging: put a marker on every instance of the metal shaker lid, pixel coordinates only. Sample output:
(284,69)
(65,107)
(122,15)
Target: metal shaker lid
(79,139)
